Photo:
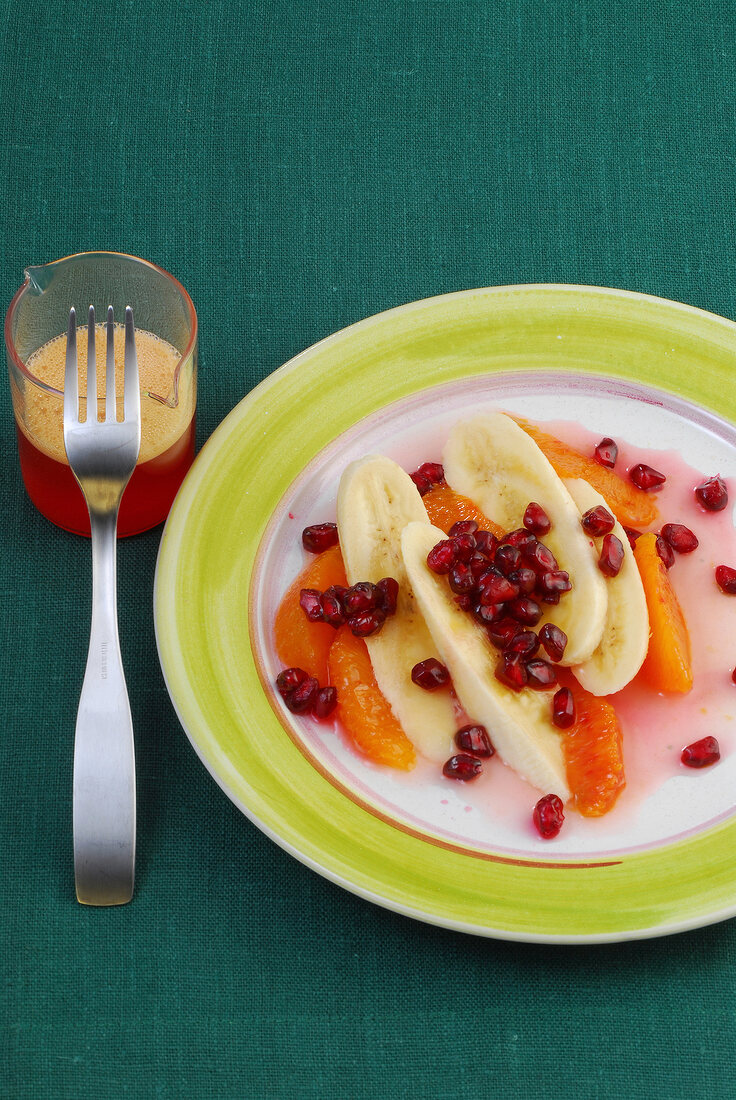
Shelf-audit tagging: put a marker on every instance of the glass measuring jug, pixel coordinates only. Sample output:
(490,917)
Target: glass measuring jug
(166,342)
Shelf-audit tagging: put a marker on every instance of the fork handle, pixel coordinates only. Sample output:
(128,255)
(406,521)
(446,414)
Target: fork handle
(104,761)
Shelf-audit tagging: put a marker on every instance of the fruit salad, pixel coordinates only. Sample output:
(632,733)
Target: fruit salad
(496,604)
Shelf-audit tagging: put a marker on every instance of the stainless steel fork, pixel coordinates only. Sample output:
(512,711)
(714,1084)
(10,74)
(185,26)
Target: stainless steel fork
(102,456)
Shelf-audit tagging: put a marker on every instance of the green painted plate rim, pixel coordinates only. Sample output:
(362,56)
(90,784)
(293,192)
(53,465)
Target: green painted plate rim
(201,600)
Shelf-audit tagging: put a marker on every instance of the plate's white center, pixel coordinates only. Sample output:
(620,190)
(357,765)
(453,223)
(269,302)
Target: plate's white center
(663,801)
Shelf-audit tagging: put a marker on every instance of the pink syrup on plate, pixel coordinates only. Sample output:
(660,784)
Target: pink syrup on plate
(656,726)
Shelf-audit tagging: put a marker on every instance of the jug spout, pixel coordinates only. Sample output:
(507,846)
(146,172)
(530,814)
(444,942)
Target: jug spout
(39,277)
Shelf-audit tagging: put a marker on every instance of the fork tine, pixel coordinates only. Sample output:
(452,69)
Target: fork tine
(110,404)
(91,366)
(131,391)
(71,385)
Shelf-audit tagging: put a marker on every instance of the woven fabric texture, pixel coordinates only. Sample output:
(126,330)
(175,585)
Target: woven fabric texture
(299,165)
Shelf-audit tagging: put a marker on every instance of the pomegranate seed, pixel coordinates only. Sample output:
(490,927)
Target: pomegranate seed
(540,674)
(606,453)
(525,610)
(612,556)
(433,471)
(525,643)
(726,579)
(536,519)
(289,679)
(712,494)
(548,816)
(485,543)
(701,754)
(598,521)
(665,551)
(428,474)
(359,597)
(645,477)
(563,708)
(465,602)
(320,537)
(555,582)
(512,671)
(554,641)
(303,697)
(680,538)
(474,739)
(507,558)
(423,484)
(524,579)
(502,631)
(733,676)
(632,535)
(461,579)
(494,588)
(336,590)
(478,564)
(518,538)
(387,593)
(430,674)
(333,611)
(366,623)
(441,557)
(310,601)
(325,702)
(489,613)
(550,597)
(462,766)
(464,546)
(463,527)
(540,558)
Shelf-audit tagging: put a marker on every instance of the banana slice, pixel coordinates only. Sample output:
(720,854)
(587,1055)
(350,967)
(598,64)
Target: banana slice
(375,501)
(520,725)
(623,646)
(494,462)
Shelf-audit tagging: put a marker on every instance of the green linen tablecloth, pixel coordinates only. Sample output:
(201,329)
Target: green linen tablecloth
(300,165)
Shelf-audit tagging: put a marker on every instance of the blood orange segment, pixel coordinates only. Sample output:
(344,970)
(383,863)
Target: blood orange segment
(445,507)
(633,507)
(299,643)
(593,749)
(362,708)
(667,665)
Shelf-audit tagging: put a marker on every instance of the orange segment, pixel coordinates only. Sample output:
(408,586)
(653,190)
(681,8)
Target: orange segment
(667,666)
(593,748)
(362,708)
(445,507)
(633,507)
(299,643)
